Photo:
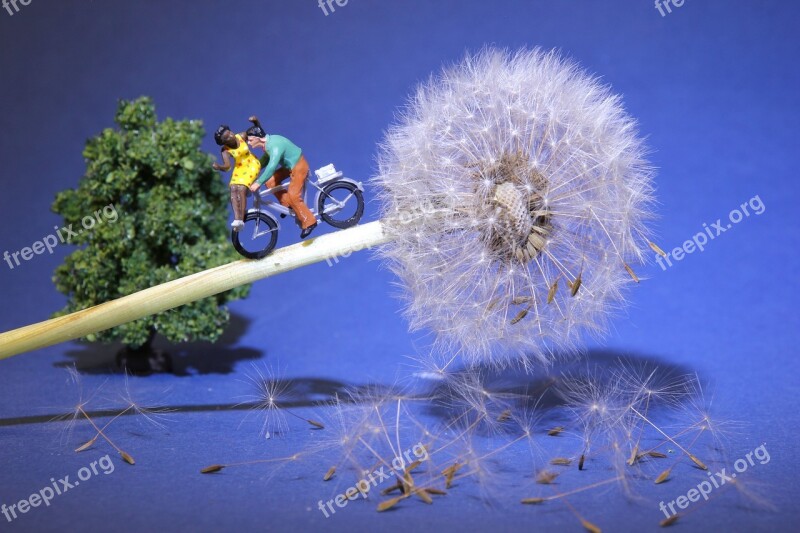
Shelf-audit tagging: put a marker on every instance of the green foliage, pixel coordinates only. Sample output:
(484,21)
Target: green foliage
(171,222)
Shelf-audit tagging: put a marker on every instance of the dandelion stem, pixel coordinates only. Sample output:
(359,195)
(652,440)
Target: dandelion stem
(189,289)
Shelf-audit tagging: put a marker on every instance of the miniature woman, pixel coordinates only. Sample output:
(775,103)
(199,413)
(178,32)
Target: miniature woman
(286,160)
(244,173)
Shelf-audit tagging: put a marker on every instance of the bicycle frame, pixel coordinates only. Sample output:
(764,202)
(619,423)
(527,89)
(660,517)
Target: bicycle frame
(265,203)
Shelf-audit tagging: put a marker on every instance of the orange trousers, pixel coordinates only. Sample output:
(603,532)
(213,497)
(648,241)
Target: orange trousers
(293,196)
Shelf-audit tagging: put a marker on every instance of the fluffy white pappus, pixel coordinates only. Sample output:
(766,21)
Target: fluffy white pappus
(516,191)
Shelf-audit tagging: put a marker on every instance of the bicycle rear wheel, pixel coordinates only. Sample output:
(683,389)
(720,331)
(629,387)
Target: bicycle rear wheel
(258,237)
(341,204)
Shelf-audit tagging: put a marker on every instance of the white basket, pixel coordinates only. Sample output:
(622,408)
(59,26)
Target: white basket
(327,173)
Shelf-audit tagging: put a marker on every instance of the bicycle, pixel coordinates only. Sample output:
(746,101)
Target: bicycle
(339,201)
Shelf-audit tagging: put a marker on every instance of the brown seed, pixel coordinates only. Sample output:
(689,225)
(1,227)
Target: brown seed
(552,292)
(657,455)
(663,476)
(86,445)
(536,241)
(519,300)
(316,424)
(505,415)
(631,272)
(580,462)
(449,473)
(669,521)
(409,483)
(424,496)
(560,461)
(532,501)
(656,249)
(329,474)
(555,431)
(590,527)
(546,477)
(634,456)
(388,504)
(698,462)
(389,490)
(413,466)
(127,458)
(211,469)
(522,314)
(437,492)
(575,285)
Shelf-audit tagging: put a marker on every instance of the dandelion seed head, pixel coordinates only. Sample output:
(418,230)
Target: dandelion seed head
(531,172)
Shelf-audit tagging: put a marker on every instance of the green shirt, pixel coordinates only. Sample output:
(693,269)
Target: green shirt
(282,153)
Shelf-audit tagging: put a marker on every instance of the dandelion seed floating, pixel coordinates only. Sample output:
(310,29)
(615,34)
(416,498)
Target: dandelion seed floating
(506,173)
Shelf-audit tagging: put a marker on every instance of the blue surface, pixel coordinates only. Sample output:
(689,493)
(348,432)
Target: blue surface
(714,86)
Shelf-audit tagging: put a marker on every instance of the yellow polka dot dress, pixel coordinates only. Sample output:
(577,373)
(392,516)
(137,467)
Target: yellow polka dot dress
(247,165)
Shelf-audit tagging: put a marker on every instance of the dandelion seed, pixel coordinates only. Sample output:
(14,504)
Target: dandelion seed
(656,249)
(581,461)
(656,455)
(522,314)
(315,423)
(634,456)
(504,416)
(590,527)
(551,293)
(437,492)
(631,272)
(86,445)
(450,472)
(329,474)
(555,431)
(127,457)
(532,501)
(575,285)
(669,521)
(663,476)
(211,469)
(424,496)
(388,504)
(396,486)
(546,477)
(560,461)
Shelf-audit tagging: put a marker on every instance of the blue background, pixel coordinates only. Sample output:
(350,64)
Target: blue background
(714,86)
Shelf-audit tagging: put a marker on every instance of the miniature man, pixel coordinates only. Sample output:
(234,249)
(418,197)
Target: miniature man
(286,160)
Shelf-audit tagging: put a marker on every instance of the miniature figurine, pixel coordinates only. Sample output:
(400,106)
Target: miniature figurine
(286,160)
(244,174)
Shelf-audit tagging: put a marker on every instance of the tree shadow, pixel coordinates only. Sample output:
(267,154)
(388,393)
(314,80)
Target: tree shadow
(189,358)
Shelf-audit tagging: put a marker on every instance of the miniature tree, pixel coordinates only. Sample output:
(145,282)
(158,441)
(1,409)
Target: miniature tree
(159,212)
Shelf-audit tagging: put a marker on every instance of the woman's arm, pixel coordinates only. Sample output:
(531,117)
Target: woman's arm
(226,162)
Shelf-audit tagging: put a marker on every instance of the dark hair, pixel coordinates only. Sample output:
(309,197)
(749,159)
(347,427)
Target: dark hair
(256,130)
(218,134)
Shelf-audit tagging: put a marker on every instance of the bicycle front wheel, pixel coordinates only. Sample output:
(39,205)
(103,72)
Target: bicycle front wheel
(341,204)
(258,237)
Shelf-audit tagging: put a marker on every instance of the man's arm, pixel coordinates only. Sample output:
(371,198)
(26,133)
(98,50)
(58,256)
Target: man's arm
(275,156)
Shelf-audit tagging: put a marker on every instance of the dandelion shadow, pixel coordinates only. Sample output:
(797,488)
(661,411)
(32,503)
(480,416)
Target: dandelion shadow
(538,391)
(188,358)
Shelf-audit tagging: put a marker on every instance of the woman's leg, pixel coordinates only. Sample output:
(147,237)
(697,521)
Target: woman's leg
(239,205)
